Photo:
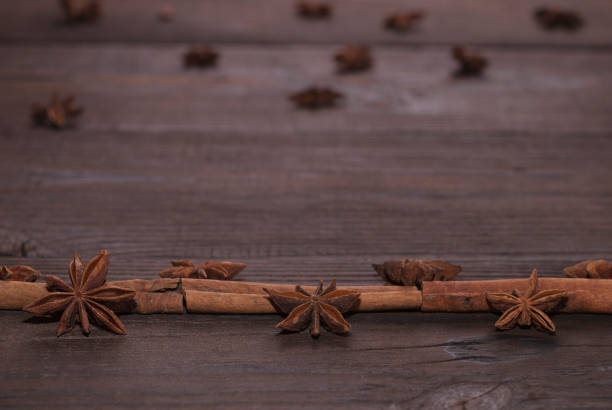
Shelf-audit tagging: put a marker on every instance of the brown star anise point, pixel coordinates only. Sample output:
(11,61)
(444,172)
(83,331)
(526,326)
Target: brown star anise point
(553,18)
(528,308)
(88,298)
(79,11)
(219,270)
(313,10)
(353,58)
(201,56)
(593,269)
(403,21)
(322,308)
(413,272)
(20,273)
(316,97)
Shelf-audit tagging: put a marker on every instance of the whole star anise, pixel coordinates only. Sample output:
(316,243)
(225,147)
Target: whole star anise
(403,21)
(324,307)
(470,63)
(594,269)
(220,270)
(57,113)
(316,97)
(413,272)
(200,56)
(353,58)
(19,273)
(552,19)
(528,308)
(78,11)
(87,299)
(313,10)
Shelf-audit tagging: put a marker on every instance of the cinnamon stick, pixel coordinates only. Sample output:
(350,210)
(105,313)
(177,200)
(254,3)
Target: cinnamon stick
(584,295)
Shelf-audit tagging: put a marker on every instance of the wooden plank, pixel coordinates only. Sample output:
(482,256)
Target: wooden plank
(391,359)
(143,88)
(274,21)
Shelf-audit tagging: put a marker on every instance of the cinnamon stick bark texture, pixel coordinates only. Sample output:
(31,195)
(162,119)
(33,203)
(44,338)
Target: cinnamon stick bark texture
(406,298)
(584,295)
(14,295)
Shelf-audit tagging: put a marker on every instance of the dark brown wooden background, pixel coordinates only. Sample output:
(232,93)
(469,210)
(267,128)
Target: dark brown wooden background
(501,175)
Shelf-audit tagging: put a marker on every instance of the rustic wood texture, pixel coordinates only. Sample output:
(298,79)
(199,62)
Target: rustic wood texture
(500,175)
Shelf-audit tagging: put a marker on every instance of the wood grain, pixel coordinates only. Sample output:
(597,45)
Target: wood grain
(500,175)
(275,22)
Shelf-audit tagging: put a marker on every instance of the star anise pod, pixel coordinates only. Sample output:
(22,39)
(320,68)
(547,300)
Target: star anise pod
(220,270)
(353,58)
(594,269)
(528,308)
(325,307)
(200,56)
(57,113)
(403,21)
(552,19)
(412,272)
(316,97)
(313,10)
(79,11)
(19,273)
(470,63)
(88,298)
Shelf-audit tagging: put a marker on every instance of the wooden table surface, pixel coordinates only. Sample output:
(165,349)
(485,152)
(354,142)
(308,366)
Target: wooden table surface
(501,174)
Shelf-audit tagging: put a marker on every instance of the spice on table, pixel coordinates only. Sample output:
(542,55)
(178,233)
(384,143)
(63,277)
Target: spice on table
(322,308)
(219,270)
(58,113)
(80,11)
(412,272)
(353,58)
(471,64)
(200,56)
(553,19)
(313,10)
(403,21)
(316,97)
(527,308)
(594,269)
(19,273)
(165,14)
(87,300)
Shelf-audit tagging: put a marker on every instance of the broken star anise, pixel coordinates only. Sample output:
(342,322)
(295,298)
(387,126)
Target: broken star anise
(78,11)
(57,113)
(325,307)
(313,10)
(316,97)
(552,19)
(220,270)
(594,269)
(88,298)
(200,56)
(353,58)
(527,308)
(412,272)
(19,273)
(470,63)
(403,21)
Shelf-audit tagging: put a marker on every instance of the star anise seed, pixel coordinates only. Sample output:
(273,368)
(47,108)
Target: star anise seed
(19,273)
(316,97)
(552,19)
(527,309)
(79,11)
(313,10)
(87,299)
(403,21)
(470,64)
(200,56)
(594,269)
(57,113)
(353,58)
(413,272)
(220,270)
(323,308)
